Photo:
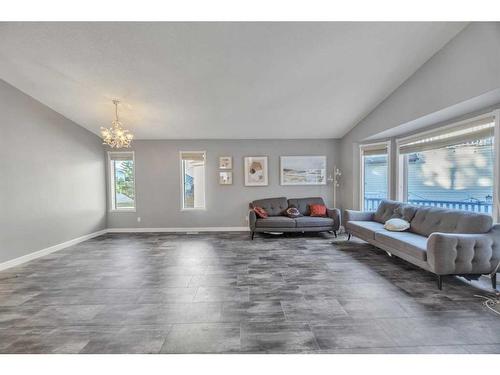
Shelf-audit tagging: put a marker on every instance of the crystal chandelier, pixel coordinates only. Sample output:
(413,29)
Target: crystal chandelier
(116,136)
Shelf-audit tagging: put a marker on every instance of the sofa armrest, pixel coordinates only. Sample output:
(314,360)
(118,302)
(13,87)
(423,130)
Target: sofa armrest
(252,218)
(334,213)
(452,253)
(351,215)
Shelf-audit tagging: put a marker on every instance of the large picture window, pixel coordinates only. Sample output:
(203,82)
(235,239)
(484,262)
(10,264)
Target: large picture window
(374,175)
(451,168)
(122,180)
(193,179)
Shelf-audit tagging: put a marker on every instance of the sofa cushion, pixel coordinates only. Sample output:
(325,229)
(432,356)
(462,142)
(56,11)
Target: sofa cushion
(428,220)
(365,228)
(409,243)
(405,212)
(293,212)
(273,206)
(396,225)
(275,222)
(317,210)
(260,212)
(303,204)
(312,221)
(388,209)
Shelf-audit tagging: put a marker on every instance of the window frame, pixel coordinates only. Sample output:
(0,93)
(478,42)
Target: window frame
(111,183)
(361,187)
(181,167)
(402,172)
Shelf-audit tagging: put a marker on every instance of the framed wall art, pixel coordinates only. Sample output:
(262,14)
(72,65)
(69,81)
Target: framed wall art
(225,162)
(303,170)
(256,171)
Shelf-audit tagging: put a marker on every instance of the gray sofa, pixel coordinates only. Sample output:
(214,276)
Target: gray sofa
(278,222)
(442,241)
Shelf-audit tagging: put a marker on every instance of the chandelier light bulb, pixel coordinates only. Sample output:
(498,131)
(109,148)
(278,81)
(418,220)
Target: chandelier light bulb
(116,136)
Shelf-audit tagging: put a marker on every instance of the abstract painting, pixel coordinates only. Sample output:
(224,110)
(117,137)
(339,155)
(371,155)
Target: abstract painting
(226,162)
(303,170)
(256,173)
(225,178)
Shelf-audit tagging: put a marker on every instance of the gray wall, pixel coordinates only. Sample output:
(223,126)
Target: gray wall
(467,67)
(158,181)
(52,186)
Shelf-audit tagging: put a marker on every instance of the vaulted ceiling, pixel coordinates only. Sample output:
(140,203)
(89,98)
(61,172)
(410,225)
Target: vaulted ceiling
(223,80)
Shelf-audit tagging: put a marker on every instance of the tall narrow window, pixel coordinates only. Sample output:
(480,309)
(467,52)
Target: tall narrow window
(193,179)
(374,175)
(451,168)
(122,180)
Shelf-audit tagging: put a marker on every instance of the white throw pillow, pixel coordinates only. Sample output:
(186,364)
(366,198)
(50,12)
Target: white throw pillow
(396,225)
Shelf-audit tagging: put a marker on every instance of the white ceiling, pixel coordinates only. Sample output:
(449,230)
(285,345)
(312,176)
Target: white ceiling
(217,80)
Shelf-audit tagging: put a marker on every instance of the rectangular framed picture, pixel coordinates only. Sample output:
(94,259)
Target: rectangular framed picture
(303,170)
(256,171)
(225,178)
(225,162)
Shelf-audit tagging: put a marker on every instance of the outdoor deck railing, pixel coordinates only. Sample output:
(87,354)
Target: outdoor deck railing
(371,204)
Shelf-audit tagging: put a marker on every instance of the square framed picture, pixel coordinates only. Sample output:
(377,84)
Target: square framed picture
(225,162)
(225,178)
(303,170)
(256,171)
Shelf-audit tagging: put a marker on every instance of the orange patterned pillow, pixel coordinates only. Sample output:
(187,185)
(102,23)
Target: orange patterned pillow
(317,210)
(260,212)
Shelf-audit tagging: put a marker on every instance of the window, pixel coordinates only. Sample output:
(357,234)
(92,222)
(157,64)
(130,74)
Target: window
(122,180)
(374,174)
(451,168)
(193,179)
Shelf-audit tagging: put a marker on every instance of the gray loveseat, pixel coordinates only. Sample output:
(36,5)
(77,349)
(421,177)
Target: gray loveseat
(279,222)
(442,241)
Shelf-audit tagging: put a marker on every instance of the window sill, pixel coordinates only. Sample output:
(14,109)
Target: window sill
(193,209)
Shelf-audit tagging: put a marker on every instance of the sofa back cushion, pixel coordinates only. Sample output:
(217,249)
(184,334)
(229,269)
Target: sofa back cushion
(428,220)
(303,204)
(273,206)
(388,209)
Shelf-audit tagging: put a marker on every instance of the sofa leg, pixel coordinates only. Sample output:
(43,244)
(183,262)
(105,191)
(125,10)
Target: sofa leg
(348,236)
(494,280)
(335,233)
(253,234)
(440,282)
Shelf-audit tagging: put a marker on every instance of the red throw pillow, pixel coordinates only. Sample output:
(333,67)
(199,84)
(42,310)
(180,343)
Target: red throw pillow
(260,212)
(317,210)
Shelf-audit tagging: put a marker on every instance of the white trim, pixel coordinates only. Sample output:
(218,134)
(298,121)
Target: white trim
(52,249)
(111,183)
(178,230)
(182,208)
(48,250)
(361,187)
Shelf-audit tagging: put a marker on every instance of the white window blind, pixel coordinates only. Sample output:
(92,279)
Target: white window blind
(376,149)
(470,132)
(121,156)
(194,155)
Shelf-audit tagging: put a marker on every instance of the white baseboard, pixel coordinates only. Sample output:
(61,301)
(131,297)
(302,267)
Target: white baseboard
(178,230)
(48,250)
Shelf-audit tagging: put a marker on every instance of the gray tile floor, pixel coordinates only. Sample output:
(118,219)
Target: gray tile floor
(222,293)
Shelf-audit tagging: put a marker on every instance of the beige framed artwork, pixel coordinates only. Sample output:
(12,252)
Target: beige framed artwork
(225,162)
(256,171)
(225,178)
